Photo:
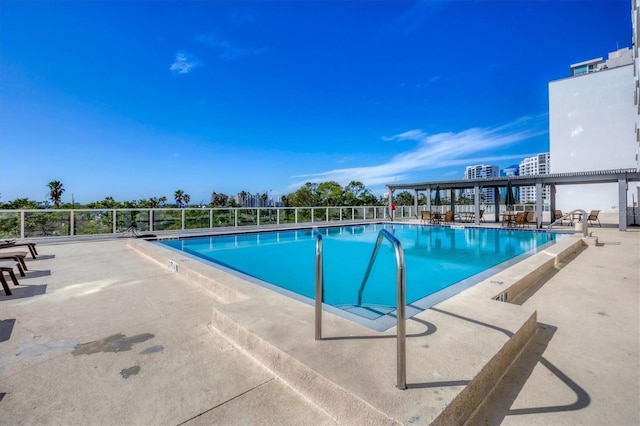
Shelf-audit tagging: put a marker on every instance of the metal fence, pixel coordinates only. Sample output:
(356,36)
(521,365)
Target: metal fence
(85,222)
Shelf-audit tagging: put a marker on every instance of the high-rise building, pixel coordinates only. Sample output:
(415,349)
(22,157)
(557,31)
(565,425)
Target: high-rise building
(536,165)
(593,125)
(481,171)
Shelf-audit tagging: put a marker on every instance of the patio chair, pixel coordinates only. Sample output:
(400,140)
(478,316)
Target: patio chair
(448,217)
(593,217)
(521,219)
(425,217)
(481,219)
(17,256)
(14,243)
(557,215)
(8,267)
(531,218)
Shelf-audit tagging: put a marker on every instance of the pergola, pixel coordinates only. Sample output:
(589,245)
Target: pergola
(622,177)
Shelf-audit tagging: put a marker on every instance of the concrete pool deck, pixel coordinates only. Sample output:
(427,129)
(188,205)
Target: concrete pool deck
(98,333)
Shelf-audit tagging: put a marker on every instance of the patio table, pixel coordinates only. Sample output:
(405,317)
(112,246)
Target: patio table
(508,218)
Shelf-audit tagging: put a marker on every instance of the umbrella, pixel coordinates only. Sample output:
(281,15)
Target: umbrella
(436,201)
(509,199)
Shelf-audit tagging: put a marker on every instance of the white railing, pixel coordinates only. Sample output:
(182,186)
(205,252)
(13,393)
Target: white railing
(86,222)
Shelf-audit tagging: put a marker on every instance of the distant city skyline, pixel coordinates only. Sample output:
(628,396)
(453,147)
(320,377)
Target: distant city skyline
(138,99)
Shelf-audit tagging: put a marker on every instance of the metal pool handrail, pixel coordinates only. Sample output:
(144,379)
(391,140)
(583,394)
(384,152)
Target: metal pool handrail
(401,358)
(401,302)
(319,287)
(584,224)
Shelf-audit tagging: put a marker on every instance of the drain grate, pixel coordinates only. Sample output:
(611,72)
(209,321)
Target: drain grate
(502,297)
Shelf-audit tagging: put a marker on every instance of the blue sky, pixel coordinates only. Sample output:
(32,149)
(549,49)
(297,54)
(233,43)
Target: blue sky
(138,99)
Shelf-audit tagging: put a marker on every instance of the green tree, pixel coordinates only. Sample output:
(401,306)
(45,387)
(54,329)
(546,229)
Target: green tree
(55,192)
(356,194)
(218,199)
(21,204)
(329,194)
(107,203)
(151,203)
(305,196)
(404,198)
(264,197)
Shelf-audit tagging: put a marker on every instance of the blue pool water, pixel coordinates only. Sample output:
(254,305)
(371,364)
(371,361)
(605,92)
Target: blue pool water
(440,261)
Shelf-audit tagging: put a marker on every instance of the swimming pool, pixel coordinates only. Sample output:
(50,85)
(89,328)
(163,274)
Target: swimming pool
(440,262)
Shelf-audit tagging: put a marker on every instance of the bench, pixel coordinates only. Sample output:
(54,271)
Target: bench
(6,266)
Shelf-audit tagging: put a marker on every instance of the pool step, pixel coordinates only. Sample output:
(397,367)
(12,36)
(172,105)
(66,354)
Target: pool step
(339,404)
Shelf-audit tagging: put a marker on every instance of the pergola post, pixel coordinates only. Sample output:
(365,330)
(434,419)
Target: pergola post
(538,204)
(496,204)
(476,203)
(622,204)
(552,200)
(452,200)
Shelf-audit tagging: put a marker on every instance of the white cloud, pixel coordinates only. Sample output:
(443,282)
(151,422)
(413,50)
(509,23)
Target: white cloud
(472,146)
(411,135)
(184,63)
(227,49)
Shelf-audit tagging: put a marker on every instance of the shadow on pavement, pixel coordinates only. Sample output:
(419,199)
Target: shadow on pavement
(6,328)
(23,291)
(498,405)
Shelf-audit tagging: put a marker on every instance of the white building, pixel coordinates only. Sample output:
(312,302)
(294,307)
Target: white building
(592,126)
(481,171)
(536,165)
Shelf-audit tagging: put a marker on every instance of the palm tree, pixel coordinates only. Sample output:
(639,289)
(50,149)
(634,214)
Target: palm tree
(55,192)
(179,197)
(186,198)
(243,198)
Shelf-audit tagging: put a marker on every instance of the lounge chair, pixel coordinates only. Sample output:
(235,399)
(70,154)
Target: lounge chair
(8,267)
(557,215)
(521,219)
(14,243)
(425,217)
(593,216)
(17,256)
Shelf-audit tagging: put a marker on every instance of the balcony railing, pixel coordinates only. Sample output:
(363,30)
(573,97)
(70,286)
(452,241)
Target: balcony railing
(85,222)
(105,222)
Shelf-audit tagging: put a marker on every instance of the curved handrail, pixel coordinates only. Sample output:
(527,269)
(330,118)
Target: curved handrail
(319,287)
(401,302)
(585,224)
(383,233)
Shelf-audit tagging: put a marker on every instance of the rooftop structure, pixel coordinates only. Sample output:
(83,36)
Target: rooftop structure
(196,346)
(616,59)
(592,126)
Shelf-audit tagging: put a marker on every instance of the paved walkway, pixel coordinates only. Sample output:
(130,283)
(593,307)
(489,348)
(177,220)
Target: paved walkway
(583,366)
(100,334)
